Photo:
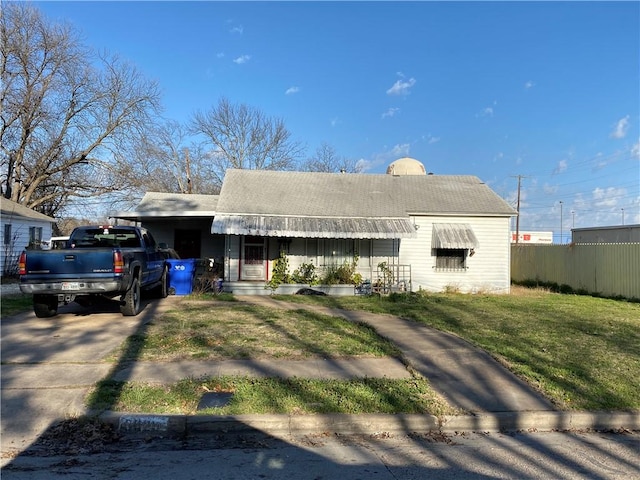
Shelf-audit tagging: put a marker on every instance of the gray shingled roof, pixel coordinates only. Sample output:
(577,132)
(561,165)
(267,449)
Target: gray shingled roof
(342,195)
(332,205)
(310,204)
(9,208)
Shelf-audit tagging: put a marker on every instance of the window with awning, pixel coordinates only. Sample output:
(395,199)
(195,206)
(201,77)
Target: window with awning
(451,244)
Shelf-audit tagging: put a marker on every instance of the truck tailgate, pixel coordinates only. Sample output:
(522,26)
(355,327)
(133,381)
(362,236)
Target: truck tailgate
(70,262)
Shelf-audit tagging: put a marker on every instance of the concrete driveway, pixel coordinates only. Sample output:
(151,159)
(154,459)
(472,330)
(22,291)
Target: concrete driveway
(48,365)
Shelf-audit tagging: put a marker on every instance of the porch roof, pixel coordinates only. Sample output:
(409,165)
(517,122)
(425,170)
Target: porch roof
(313,227)
(160,204)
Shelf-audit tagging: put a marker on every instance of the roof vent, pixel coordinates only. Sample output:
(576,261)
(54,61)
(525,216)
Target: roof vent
(406,166)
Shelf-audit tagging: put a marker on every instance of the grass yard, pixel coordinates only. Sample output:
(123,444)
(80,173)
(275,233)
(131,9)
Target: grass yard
(215,330)
(580,351)
(274,395)
(15,303)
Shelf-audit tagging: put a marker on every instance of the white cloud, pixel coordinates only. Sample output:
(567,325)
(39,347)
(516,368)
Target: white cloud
(402,87)
(239,29)
(334,121)
(635,150)
(621,128)
(431,139)
(488,111)
(242,59)
(562,167)
(220,55)
(363,165)
(391,112)
(292,90)
(400,150)
(529,85)
(549,189)
(607,197)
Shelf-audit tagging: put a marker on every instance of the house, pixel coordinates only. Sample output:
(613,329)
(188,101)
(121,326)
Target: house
(21,227)
(430,232)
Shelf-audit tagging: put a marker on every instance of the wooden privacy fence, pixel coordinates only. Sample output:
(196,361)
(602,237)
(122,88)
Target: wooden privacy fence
(609,270)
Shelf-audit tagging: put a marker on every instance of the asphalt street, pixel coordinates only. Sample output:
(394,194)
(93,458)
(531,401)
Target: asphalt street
(548,455)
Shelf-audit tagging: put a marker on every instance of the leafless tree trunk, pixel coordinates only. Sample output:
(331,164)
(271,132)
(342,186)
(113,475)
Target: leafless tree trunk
(243,137)
(64,122)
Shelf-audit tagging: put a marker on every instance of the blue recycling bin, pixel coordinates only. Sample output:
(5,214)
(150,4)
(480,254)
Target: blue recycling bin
(182,274)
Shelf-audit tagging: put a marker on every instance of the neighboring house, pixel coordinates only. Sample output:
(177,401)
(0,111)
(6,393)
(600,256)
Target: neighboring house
(21,228)
(433,232)
(612,234)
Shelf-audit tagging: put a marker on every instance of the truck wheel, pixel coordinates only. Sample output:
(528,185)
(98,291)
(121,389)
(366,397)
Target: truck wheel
(45,306)
(130,306)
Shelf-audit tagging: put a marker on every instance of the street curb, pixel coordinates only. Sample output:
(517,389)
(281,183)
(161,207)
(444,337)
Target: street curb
(370,424)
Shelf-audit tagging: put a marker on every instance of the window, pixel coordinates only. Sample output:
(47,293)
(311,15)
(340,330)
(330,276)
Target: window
(35,237)
(7,234)
(451,259)
(451,244)
(253,250)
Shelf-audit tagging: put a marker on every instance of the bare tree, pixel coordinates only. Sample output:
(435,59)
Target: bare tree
(326,160)
(163,163)
(243,137)
(64,121)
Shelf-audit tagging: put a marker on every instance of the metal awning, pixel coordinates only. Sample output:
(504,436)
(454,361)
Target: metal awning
(313,227)
(453,235)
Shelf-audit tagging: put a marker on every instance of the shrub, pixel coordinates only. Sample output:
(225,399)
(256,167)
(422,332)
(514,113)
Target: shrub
(280,272)
(342,274)
(305,273)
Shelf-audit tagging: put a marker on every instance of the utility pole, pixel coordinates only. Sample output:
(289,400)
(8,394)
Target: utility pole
(188,163)
(519,177)
(561,222)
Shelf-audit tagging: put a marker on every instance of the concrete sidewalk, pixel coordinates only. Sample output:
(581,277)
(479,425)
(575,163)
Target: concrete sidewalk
(316,368)
(469,378)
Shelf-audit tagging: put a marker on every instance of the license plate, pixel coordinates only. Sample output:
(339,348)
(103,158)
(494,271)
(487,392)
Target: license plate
(70,286)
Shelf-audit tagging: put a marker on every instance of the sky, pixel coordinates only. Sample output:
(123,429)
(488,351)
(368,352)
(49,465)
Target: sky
(541,94)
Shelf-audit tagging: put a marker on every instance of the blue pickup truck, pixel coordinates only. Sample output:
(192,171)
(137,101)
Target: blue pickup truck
(107,261)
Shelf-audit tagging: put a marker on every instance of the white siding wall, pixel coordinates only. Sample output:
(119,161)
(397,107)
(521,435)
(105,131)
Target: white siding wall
(487,271)
(19,239)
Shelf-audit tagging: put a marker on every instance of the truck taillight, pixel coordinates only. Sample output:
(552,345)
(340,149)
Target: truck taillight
(22,264)
(118,262)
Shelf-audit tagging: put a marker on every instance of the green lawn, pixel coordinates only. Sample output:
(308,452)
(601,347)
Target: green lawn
(580,351)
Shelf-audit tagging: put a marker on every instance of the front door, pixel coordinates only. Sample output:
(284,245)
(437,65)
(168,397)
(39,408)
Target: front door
(187,243)
(253,262)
